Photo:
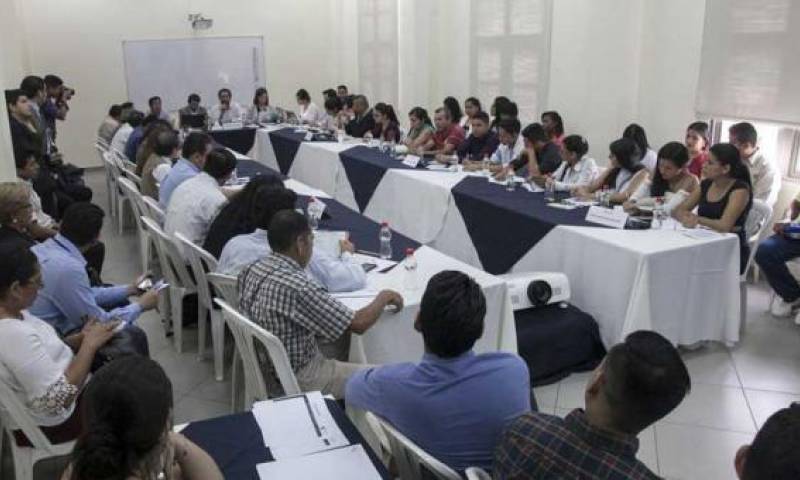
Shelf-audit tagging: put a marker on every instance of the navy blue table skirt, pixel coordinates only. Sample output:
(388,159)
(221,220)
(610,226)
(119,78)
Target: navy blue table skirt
(240,140)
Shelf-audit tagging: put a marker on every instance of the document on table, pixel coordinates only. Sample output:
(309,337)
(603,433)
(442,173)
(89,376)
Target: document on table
(297,425)
(328,241)
(701,233)
(356,300)
(349,462)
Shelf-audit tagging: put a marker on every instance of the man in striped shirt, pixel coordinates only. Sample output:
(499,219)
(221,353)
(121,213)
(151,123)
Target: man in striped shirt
(639,382)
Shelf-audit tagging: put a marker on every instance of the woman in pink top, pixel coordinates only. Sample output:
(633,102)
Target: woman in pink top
(697,144)
(553,126)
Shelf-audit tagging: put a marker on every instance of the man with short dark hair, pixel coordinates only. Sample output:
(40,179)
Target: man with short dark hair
(133,120)
(33,88)
(226,111)
(639,382)
(448,135)
(22,122)
(764,174)
(277,294)
(454,404)
(155,108)
(53,107)
(481,142)
(541,156)
(195,202)
(773,455)
(67,298)
(194,152)
(511,144)
(43,226)
(193,108)
(110,124)
(362,121)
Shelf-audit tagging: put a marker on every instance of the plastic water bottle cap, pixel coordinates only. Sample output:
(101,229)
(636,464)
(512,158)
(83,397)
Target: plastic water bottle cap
(409,251)
(384,224)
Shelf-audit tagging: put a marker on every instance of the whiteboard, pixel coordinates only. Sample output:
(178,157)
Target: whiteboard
(173,69)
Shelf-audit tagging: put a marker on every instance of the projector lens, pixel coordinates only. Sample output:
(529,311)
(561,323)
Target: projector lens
(539,292)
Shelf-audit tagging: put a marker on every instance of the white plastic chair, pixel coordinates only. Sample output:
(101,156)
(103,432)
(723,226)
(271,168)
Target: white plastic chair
(131,192)
(112,174)
(177,275)
(226,288)
(409,458)
(154,249)
(246,333)
(14,416)
(101,153)
(154,210)
(756,224)
(202,263)
(475,473)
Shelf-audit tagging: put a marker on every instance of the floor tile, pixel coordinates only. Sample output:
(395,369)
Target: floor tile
(213,390)
(711,364)
(546,397)
(190,409)
(763,404)
(714,406)
(697,453)
(571,391)
(768,372)
(184,370)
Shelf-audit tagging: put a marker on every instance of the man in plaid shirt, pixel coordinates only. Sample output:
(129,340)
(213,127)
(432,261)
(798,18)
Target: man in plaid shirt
(640,381)
(277,294)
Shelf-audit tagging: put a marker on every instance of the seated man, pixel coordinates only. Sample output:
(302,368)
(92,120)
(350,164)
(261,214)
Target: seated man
(764,173)
(448,135)
(130,122)
(773,453)
(771,257)
(362,121)
(336,274)
(155,108)
(137,137)
(67,299)
(639,382)
(454,404)
(193,157)
(195,203)
(193,108)
(481,142)
(110,124)
(511,145)
(226,111)
(277,294)
(166,148)
(43,225)
(541,156)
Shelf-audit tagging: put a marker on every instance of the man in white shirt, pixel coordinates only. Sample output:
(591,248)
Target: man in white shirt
(511,142)
(196,202)
(226,111)
(120,138)
(764,173)
(110,124)
(337,273)
(43,226)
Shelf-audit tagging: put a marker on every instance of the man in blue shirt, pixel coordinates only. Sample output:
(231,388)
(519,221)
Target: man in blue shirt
(196,147)
(67,298)
(454,404)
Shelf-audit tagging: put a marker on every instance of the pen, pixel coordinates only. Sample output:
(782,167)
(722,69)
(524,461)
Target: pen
(368,253)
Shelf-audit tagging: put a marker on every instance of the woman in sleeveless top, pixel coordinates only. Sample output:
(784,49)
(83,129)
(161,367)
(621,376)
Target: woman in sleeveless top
(623,178)
(672,182)
(723,199)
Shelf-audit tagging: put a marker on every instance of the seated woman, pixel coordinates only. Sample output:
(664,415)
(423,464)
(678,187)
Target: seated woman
(723,199)
(623,178)
(127,432)
(332,120)
(553,126)
(44,371)
(647,156)
(697,143)
(309,112)
(671,183)
(387,127)
(261,111)
(16,214)
(421,130)
(577,169)
(148,144)
(165,150)
(471,108)
(458,116)
(237,216)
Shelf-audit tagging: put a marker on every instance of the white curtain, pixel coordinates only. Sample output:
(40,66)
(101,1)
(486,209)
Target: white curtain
(377,50)
(751,60)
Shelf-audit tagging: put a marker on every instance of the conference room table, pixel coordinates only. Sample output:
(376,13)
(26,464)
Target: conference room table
(393,338)
(682,285)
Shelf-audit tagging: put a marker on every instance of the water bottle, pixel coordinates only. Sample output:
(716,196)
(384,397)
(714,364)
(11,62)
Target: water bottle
(314,213)
(549,191)
(339,135)
(659,214)
(485,166)
(410,270)
(385,237)
(510,183)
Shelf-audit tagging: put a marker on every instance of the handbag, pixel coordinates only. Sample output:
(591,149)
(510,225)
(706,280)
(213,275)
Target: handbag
(131,340)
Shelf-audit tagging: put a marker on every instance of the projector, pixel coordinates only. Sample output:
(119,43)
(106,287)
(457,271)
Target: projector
(536,289)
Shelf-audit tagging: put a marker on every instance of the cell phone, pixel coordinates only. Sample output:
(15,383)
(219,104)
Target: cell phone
(368,267)
(145,284)
(160,285)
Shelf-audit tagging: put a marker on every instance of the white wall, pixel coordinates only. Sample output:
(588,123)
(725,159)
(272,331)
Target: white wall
(13,64)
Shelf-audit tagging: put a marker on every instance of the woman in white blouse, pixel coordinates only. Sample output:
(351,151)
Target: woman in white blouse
(261,111)
(309,113)
(577,170)
(672,183)
(623,178)
(44,371)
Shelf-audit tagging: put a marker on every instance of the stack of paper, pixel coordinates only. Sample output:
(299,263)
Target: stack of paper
(350,462)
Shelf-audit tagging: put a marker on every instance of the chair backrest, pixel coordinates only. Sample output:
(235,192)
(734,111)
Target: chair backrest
(475,473)
(172,262)
(245,333)
(153,210)
(130,172)
(757,219)
(409,457)
(225,287)
(131,191)
(110,162)
(202,263)
(14,416)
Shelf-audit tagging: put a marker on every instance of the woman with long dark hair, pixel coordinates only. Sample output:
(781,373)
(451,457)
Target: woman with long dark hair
(261,111)
(387,127)
(647,156)
(456,114)
(127,430)
(553,126)
(577,169)
(472,106)
(672,182)
(625,175)
(724,197)
(421,130)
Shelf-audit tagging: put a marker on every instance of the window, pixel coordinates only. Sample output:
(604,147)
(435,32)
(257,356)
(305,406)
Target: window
(510,46)
(778,142)
(377,50)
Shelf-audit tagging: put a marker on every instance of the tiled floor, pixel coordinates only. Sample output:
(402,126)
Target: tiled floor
(733,390)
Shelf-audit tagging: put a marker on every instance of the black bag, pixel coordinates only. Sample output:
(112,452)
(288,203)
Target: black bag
(129,341)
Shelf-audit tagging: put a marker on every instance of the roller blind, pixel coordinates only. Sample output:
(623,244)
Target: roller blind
(751,60)
(377,50)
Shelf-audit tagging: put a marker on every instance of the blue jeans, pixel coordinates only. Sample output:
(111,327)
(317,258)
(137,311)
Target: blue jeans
(771,257)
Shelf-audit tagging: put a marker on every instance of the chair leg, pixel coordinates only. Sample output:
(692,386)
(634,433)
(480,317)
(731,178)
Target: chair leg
(176,299)
(237,376)
(23,462)
(742,308)
(218,343)
(202,330)
(120,215)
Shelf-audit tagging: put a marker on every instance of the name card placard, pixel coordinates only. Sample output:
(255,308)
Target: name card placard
(614,218)
(411,160)
(309,136)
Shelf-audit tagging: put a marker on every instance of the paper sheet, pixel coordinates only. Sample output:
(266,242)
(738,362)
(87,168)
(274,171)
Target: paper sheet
(328,241)
(349,462)
(298,425)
